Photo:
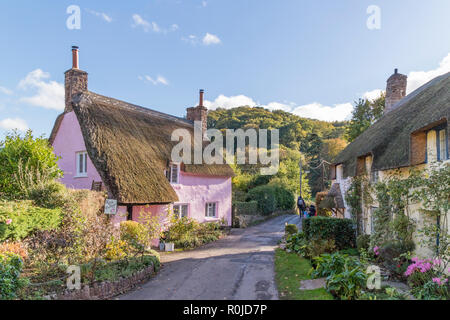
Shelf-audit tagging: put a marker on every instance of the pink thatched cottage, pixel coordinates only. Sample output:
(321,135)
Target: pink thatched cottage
(124,149)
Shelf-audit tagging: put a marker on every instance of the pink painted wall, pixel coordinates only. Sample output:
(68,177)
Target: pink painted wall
(196,191)
(68,142)
(193,190)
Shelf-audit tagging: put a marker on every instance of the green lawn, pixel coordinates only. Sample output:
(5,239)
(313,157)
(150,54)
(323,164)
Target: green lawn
(289,270)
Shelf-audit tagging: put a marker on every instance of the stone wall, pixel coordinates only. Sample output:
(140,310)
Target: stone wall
(107,289)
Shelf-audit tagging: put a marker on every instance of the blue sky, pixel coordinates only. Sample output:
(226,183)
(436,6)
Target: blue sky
(312,58)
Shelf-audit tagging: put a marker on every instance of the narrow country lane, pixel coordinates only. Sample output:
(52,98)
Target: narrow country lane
(238,267)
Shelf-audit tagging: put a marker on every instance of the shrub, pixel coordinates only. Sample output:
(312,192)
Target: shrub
(116,249)
(265,197)
(10,282)
(340,230)
(23,161)
(48,195)
(363,242)
(245,208)
(435,289)
(290,229)
(320,246)
(18,248)
(348,284)
(20,219)
(329,264)
(345,275)
(188,233)
(392,250)
(135,234)
(271,198)
(297,243)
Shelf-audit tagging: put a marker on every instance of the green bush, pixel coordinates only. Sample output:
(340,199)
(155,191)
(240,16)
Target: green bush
(135,234)
(245,208)
(290,229)
(188,233)
(10,282)
(271,198)
(299,244)
(21,219)
(363,242)
(24,161)
(345,275)
(348,284)
(339,230)
(391,251)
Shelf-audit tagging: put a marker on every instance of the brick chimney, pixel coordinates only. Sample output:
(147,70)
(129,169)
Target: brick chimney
(199,113)
(395,90)
(76,81)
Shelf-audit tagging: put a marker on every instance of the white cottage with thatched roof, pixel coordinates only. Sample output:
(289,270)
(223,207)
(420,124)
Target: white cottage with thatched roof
(125,149)
(413,133)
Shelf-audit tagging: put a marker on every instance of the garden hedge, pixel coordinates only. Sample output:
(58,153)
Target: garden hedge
(271,198)
(340,230)
(245,208)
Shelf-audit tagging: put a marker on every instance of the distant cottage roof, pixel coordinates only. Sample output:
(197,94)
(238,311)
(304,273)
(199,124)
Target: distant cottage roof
(130,146)
(389,139)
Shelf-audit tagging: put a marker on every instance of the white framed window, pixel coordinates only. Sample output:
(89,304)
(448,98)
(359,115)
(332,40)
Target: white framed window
(211,210)
(173,173)
(181,210)
(81,164)
(442,144)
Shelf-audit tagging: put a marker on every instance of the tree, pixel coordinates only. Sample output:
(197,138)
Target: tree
(366,113)
(331,148)
(25,154)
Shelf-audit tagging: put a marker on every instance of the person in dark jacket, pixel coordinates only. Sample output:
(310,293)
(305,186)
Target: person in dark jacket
(312,211)
(301,205)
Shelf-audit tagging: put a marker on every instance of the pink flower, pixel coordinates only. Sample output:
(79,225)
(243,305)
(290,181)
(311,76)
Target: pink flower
(9,221)
(376,251)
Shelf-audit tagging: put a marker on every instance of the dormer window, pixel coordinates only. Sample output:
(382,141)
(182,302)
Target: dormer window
(81,164)
(173,173)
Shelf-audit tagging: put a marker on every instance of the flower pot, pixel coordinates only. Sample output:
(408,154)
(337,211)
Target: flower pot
(161,246)
(169,247)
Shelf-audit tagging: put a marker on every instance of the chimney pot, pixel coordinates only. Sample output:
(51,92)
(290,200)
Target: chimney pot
(75,57)
(396,71)
(202,92)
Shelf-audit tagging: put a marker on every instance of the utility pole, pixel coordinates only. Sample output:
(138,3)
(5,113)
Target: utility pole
(300,164)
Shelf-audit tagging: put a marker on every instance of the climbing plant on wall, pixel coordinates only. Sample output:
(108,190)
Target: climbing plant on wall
(359,194)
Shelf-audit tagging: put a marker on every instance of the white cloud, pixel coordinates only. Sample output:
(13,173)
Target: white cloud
(204,3)
(49,94)
(418,78)
(102,15)
(230,102)
(151,26)
(190,39)
(372,95)
(11,124)
(6,91)
(210,39)
(159,80)
(338,112)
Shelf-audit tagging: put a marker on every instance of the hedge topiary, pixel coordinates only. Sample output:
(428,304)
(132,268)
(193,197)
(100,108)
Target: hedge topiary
(340,230)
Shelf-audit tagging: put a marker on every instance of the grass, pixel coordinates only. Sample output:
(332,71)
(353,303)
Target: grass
(290,269)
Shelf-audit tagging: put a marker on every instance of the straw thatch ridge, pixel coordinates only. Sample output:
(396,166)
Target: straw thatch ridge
(131,147)
(388,140)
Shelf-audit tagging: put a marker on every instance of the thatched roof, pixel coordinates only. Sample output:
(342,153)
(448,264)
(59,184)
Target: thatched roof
(388,140)
(131,147)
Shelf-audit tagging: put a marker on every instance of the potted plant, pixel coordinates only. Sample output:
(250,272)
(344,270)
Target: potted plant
(162,241)
(168,245)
